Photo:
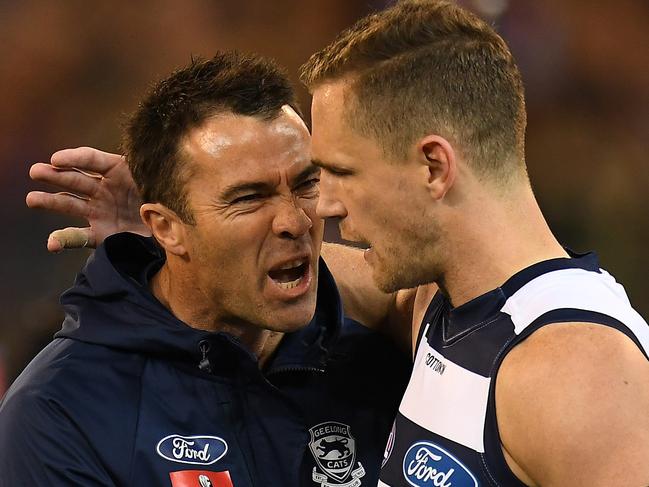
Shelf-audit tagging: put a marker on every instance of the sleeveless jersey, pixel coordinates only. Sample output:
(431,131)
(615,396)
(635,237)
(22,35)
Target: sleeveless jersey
(445,433)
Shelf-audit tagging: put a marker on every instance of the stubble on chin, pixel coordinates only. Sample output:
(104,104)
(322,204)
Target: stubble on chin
(402,270)
(391,274)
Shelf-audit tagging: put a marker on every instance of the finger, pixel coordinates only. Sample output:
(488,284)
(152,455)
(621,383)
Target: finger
(70,238)
(67,179)
(65,203)
(93,175)
(86,159)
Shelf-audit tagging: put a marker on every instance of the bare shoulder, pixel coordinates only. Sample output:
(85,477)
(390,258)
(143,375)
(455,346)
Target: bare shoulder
(573,406)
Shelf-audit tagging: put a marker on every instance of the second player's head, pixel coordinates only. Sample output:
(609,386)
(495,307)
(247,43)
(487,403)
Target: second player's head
(409,105)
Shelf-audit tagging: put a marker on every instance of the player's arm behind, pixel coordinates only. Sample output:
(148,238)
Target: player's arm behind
(395,314)
(94,185)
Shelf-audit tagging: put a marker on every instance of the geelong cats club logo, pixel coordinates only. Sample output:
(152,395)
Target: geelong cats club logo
(334,450)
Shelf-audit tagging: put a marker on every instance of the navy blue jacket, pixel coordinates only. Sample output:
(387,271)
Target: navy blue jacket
(126,394)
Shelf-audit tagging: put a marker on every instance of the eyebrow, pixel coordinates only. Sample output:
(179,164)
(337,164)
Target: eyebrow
(234,190)
(331,167)
(322,164)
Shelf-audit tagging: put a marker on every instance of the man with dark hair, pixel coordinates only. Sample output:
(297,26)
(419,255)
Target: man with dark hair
(530,364)
(218,353)
(238,84)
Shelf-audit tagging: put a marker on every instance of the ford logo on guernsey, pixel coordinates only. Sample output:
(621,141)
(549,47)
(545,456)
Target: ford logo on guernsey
(428,465)
(197,450)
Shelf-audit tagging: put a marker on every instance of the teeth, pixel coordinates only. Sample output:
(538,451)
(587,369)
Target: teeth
(291,264)
(290,284)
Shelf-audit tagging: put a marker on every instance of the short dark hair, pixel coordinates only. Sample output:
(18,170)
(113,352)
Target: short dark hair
(230,82)
(429,65)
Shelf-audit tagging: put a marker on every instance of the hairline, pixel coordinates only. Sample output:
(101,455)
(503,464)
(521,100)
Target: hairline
(188,168)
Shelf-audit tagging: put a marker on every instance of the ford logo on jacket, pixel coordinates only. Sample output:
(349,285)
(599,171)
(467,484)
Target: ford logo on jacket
(198,450)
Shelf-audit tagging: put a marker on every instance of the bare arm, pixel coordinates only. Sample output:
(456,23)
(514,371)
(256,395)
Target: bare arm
(573,408)
(96,186)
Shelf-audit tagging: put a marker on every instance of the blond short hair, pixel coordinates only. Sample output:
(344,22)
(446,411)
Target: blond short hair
(426,66)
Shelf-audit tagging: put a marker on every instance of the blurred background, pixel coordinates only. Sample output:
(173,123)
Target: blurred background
(72,69)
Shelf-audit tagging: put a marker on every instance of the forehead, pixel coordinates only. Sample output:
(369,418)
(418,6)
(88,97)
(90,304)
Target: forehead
(327,108)
(229,145)
(333,140)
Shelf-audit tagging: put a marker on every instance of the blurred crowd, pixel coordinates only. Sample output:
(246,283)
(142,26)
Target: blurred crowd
(72,69)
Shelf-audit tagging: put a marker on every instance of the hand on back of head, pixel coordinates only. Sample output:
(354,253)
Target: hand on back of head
(96,186)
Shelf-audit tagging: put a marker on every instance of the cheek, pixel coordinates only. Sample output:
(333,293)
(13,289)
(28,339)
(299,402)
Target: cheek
(309,205)
(234,243)
(387,210)
(217,252)
(351,195)
(366,205)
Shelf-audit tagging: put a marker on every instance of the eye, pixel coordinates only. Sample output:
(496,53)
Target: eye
(337,172)
(309,184)
(247,198)
(309,188)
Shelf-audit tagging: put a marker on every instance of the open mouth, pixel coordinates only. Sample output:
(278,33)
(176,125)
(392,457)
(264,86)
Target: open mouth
(291,274)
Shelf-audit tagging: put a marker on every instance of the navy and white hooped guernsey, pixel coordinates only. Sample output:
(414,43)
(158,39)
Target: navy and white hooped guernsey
(446,433)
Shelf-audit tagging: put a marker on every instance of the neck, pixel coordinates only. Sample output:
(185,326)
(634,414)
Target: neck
(187,302)
(497,238)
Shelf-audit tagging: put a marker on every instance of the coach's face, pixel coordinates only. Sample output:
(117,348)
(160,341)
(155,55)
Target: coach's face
(380,202)
(256,240)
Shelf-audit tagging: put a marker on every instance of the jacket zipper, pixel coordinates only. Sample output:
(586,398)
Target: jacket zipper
(295,369)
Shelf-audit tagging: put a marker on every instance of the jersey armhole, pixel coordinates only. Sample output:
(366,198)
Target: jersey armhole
(503,474)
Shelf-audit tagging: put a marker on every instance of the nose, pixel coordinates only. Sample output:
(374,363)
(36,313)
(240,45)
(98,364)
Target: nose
(329,204)
(291,221)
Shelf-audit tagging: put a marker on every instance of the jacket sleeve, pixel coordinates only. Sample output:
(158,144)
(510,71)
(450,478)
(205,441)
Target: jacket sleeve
(41,445)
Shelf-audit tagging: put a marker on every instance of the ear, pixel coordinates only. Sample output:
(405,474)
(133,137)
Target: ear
(165,225)
(437,154)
